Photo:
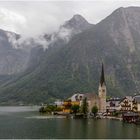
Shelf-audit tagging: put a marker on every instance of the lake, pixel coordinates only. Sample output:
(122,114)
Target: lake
(26,122)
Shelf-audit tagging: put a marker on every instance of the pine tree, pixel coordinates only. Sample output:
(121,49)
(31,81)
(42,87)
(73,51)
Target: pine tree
(84,107)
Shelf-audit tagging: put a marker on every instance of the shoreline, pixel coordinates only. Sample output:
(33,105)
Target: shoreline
(114,118)
(65,116)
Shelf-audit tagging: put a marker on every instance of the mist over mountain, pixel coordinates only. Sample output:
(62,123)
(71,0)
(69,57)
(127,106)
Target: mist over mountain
(75,25)
(72,61)
(12,60)
(15,49)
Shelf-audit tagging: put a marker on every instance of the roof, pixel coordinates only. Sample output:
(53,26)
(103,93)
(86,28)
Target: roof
(90,95)
(76,94)
(102,78)
(136,94)
(130,98)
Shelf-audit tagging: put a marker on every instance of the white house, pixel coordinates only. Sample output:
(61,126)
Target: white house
(76,97)
(113,105)
(58,103)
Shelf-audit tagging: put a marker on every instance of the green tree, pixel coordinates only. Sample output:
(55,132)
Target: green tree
(42,110)
(94,110)
(84,107)
(75,108)
(48,109)
(58,109)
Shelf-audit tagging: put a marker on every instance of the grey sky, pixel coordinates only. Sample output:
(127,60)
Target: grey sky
(31,18)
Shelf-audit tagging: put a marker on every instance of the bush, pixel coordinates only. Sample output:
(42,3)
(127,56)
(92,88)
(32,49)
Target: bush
(75,108)
(94,110)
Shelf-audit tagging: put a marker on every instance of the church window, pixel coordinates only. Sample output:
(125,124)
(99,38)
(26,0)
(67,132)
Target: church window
(103,90)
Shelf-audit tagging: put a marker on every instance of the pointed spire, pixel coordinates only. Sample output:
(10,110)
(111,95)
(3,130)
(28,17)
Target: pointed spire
(102,78)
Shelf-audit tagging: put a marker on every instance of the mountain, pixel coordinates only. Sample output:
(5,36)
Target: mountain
(56,40)
(75,65)
(12,60)
(77,23)
(15,54)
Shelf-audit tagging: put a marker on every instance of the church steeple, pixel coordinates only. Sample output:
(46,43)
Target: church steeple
(102,92)
(102,78)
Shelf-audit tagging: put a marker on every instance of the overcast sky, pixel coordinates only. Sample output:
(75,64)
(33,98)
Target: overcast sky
(31,18)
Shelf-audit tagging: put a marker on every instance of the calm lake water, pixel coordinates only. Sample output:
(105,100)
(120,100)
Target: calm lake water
(25,122)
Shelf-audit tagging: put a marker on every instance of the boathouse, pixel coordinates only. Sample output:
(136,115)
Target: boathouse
(130,117)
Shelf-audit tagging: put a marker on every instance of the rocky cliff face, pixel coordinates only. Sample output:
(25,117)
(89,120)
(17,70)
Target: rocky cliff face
(77,24)
(12,60)
(74,66)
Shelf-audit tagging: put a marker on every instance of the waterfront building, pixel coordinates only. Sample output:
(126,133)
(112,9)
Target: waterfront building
(92,99)
(68,104)
(130,117)
(113,105)
(77,97)
(58,103)
(126,104)
(136,103)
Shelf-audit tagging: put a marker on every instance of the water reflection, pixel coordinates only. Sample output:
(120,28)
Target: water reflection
(18,109)
(22,123)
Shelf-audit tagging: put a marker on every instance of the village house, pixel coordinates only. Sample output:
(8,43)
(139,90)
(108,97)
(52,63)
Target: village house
(136,103)
(113,105)
(77,97)
(126,104)
(58,103)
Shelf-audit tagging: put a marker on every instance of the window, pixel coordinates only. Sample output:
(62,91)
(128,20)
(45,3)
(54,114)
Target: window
(103,90)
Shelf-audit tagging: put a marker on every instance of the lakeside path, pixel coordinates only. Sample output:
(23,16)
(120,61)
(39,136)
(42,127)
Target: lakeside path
(114,118)
(61,116)
(45,117)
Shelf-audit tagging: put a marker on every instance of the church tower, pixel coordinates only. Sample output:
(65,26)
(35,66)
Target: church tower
(102,92)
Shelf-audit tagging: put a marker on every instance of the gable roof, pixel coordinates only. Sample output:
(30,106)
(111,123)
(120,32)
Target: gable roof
(91,96)
(130,98)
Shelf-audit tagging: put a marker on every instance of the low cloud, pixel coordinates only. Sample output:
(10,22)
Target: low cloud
(35,18)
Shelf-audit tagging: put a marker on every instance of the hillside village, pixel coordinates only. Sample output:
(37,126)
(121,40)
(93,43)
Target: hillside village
(127,108)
